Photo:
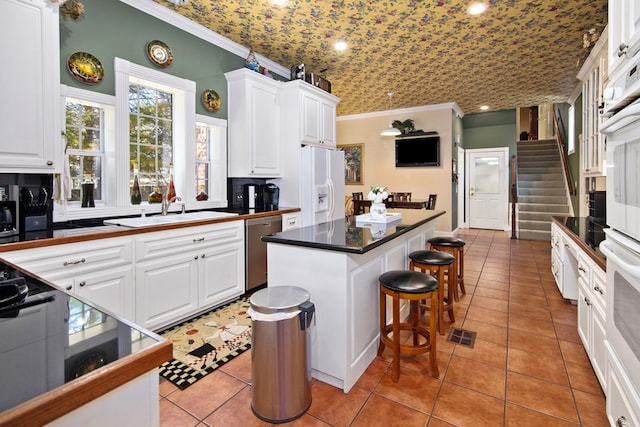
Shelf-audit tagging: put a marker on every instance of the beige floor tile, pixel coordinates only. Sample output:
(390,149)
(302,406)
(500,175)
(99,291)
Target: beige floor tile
(333,406)
(382,412)
(479,409)
(517,416)
(534,365)
(477,376)
(237,411)
(542,396)
(414,390)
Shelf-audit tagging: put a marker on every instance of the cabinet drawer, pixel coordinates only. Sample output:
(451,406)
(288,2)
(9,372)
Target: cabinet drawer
(584,266)
(599,287)
(60,261)
(164,243)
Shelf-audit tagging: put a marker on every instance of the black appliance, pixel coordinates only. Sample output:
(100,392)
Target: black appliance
(270,197)
(252,197)
(9,227)
(598,206)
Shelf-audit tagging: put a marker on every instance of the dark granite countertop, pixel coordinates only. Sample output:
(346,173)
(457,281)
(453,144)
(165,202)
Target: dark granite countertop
(59,352)
(587,233)
(353,235)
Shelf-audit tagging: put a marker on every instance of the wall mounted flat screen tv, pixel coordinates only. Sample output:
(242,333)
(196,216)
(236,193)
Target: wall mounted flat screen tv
(418,151)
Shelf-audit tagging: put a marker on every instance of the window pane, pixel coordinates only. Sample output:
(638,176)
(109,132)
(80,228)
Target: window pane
(487,172)
(151,137)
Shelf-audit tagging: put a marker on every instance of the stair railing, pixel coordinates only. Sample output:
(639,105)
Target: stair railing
(563,154)
(514,196)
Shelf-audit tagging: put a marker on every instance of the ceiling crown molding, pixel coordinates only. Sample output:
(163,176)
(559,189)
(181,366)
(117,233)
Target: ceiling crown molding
(170,17)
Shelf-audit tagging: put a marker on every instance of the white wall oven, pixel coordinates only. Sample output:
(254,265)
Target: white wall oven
(622,249)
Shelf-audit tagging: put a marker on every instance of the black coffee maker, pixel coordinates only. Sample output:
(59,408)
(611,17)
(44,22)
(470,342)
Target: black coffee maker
(270,196)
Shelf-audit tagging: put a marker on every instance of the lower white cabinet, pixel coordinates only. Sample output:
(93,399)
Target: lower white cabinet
(97,271)
(186,271)
(623,403)
(154,279)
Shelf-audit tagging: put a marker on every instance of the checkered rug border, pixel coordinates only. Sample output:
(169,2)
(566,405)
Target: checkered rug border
(181,374)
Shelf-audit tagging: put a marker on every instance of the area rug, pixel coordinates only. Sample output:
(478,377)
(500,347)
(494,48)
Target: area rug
(203,344)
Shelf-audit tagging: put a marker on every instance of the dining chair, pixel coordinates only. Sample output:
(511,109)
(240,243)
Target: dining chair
(431,203)
(401,197)
(359,207)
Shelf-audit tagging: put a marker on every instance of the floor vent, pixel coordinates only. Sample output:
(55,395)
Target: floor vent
(462,337)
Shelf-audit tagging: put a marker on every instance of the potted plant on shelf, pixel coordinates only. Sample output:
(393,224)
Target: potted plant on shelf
(405,126)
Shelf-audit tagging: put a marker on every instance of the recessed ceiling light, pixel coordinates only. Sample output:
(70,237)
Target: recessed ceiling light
(279,2)
(477,8)
(484,107)
(178,2)
(340,45)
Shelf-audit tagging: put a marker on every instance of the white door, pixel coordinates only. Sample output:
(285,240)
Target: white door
(488,186)
(460,186)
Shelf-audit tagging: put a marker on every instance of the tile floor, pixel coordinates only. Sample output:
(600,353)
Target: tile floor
(527,367)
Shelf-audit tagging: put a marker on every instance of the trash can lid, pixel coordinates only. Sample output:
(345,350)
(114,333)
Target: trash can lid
(278,299)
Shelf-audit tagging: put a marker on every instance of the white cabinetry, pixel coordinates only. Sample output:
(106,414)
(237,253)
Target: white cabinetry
(593,75)
(182,272)
(310,114)
(624,31)
(591,314)
(557,268)
(623,403)
(29,83)
(98,271)
(254,125)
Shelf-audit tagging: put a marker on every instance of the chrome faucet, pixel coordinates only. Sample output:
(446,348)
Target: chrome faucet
(167,202)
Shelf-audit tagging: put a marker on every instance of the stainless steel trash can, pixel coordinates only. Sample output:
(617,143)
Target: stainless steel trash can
(280,353)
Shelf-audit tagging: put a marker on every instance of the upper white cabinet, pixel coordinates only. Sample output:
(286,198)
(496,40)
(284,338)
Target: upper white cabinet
(254,111)
(593,75)
(30,86)
(624,32)
(311,112)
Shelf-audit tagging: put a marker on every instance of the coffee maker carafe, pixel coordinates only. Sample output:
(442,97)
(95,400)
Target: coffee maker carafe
(270,196)
(9,214)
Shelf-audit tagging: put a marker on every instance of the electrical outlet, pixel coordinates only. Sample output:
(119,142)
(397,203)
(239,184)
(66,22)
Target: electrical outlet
(238,197)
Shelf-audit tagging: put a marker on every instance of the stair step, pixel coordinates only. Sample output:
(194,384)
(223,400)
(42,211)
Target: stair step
(540,161)
(552,200)
(541,192)
(540,177)
(534,235)
(560,208)
(543,169)
(534,225)
(538,216)
(541,184)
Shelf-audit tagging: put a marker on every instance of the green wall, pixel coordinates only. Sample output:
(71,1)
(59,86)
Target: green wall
(109,28)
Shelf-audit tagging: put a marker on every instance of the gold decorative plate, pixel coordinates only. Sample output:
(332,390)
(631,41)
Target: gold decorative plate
(211,100)
(159,53)
(85,68)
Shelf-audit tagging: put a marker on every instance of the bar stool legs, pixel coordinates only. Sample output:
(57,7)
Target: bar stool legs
(456,248)
(414,287)
(437,263)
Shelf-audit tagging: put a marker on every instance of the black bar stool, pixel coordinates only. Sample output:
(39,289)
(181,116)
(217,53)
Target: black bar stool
(414,287)
(456,248)
(437,263)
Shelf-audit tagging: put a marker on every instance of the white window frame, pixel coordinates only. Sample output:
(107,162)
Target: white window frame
(116,197)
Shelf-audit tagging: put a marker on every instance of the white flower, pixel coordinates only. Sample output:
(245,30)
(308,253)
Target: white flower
(377,194)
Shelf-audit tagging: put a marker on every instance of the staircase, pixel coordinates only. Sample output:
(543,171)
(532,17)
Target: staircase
(541,187)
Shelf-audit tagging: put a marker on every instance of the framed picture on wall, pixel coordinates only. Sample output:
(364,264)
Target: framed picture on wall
(353,163)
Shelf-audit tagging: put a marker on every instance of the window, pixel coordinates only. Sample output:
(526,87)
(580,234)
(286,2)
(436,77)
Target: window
(150,138)
(571,137)
(84,146)
(148,124)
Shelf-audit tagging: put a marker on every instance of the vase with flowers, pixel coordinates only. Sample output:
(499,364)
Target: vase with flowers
(378,208)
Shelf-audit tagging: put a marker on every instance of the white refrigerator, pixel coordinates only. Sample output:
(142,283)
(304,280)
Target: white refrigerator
(322,186)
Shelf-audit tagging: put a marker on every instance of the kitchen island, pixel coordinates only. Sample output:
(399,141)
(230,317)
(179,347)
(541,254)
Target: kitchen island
(339,263)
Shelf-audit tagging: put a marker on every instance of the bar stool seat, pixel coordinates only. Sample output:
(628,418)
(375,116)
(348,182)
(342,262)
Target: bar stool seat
(436,263)
(414,287)
(455,247)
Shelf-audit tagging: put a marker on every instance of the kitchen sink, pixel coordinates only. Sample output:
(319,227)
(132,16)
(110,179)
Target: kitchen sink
(149,221)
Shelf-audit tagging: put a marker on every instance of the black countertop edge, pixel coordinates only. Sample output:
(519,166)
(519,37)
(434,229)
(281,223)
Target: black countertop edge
(587,232)
(292,237)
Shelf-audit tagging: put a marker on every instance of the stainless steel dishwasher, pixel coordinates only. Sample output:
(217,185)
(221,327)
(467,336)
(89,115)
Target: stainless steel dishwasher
(256,249)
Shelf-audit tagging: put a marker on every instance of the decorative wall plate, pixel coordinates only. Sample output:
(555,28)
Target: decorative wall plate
(211,100)
(159,53)
(85,68)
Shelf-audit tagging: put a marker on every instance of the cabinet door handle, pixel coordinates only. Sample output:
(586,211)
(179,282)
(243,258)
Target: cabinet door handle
(587,300)
(83,284)
(598,289)
(202,256)
(49,163)
(77,261)
(69,287)
(201,239)
(622,50)
(196,257)
(582,269)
